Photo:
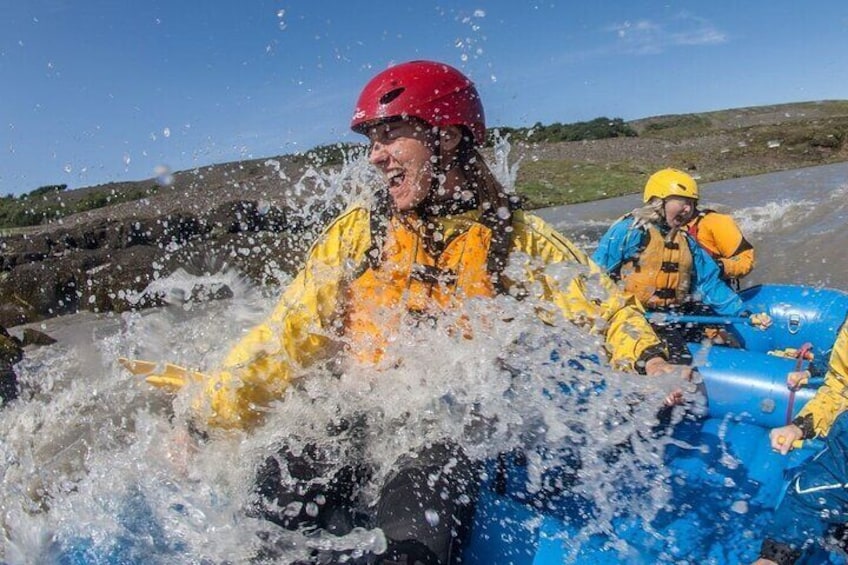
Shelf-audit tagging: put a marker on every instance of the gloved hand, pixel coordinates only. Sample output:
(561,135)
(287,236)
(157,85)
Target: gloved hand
(658,366)
(760,321)
(797,379)
(171,377)
(786,438)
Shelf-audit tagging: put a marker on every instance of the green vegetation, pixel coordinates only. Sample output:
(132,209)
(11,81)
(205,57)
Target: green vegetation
(332,155)
(599,128)
(552,183)
(676,127)
(47,203)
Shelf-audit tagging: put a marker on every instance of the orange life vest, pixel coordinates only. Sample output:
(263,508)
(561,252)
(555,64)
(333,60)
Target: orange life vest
(660,276)
(718,236)
(412,283)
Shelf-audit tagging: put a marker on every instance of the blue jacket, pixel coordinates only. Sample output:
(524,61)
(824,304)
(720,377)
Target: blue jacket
(623,242)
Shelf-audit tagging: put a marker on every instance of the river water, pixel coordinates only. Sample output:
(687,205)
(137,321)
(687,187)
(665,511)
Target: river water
(797,221)
(96,466)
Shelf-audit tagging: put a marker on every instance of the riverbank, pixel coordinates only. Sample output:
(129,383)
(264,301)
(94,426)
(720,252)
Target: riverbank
(258,217)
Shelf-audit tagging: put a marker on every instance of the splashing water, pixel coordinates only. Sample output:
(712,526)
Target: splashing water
(98,464)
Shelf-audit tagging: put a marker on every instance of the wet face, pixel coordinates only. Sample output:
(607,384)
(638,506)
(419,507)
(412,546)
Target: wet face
(402,153)
(678,210)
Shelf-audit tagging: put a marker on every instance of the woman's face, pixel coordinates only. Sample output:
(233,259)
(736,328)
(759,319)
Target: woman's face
(678,210)
(400,151)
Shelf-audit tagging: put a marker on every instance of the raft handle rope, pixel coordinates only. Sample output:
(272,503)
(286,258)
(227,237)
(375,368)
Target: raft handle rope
(793,382)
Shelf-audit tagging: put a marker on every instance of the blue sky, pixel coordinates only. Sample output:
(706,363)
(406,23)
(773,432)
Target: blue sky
(94,91)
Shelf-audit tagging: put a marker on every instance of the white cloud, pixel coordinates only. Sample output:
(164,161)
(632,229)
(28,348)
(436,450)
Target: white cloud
(648,37)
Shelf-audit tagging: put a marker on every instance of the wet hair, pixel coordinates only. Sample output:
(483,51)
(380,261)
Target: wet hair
(650,213)
(496,204)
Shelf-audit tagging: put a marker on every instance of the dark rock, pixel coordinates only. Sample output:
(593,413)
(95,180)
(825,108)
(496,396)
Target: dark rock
(8,383)
(32,336)
(245,216)
(11,351)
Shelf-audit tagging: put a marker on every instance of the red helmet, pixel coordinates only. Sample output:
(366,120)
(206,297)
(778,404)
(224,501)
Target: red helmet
(433,92)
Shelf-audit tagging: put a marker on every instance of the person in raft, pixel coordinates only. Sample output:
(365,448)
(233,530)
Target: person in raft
(441,233)
(650,252)
(817,497)
(717,233)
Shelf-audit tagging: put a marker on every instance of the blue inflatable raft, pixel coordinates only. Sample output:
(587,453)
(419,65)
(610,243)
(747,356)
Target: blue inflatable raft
(746,395)
(715,512)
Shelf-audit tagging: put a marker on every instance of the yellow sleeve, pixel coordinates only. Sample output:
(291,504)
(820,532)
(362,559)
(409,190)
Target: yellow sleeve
(257,370)
(830,400)
(589,298)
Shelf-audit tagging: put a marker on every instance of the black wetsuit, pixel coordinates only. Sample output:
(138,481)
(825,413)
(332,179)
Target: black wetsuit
(425,506)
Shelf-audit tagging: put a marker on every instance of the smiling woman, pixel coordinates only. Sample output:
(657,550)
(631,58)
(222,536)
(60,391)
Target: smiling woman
(401,150)
(440,245)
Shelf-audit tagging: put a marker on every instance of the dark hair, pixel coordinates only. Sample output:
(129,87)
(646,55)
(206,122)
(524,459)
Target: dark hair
(496,205)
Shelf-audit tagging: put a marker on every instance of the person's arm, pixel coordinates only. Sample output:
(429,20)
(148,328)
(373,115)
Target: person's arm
(589,298)
(817,416)
(708,285)
(725,239)
(258,369)
(618,244)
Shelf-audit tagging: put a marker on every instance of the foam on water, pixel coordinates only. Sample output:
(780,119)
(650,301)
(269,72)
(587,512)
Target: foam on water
(92,456)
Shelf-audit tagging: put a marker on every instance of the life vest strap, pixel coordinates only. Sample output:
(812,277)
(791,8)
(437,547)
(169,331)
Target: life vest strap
(665,293)
(670,267)
(429,274)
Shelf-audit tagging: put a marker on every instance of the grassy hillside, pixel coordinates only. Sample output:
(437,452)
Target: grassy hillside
(711,146)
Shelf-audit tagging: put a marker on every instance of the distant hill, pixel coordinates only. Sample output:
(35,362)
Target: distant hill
(711,145)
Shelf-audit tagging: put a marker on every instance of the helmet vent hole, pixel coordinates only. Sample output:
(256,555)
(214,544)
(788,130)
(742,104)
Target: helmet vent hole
(391,95)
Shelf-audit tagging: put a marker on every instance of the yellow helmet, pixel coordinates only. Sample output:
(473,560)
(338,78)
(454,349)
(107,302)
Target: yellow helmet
(670,182)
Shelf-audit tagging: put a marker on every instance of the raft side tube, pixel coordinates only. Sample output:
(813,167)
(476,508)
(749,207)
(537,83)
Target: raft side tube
(748,384)
(799,314)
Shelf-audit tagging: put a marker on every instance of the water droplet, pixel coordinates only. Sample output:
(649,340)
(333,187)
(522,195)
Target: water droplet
(163,175)
(767,405)
(166,132)
(432,517)
(740,507)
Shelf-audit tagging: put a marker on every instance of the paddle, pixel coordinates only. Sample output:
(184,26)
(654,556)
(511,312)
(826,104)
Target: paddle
(670,318)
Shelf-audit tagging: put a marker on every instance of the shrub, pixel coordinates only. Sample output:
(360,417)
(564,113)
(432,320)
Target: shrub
(599,128)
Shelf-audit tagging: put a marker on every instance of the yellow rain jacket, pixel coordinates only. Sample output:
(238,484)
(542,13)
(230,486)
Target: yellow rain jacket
(831,399)
(338,297)
(722,238)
